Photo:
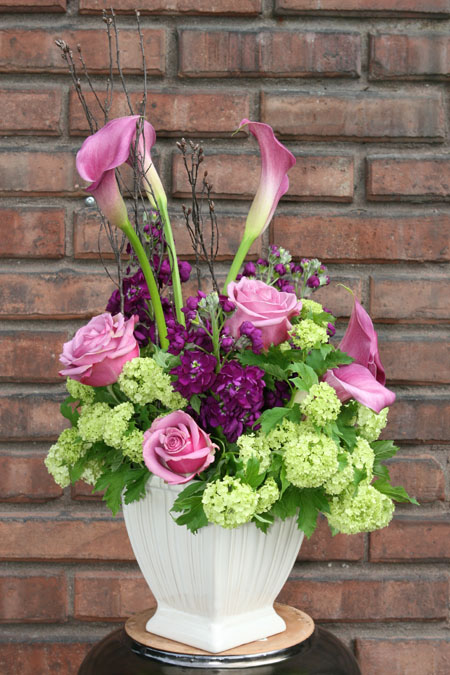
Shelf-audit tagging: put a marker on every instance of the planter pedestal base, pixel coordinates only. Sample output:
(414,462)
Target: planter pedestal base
(266,651)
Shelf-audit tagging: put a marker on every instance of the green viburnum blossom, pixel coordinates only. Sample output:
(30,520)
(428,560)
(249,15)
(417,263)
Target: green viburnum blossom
(321,405)
(229,502)
(82,392)
(267,495)
(341,479)
(310,306)
(132,446)
(92,421)
(370,424)
(366,511)
(144,381)
(363,457)
(306,334)
(254,445)
(117,424)
(67,450)
(310,458)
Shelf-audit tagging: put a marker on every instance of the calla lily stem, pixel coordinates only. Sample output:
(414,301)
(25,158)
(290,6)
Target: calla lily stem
(151,283)
(176,283)
(239,258)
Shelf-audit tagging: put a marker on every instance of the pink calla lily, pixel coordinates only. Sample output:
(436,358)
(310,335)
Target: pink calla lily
(364,379)
(276,160)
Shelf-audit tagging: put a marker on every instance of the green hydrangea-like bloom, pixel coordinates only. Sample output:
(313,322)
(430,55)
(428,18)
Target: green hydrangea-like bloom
(144,381)
(67,450)
(363,457)
(366,511)
(132,446)
(341,479)
(81,392)
(251,445)
(310,458)
(306,334)
(310,306)
(117,424)
(92,421)
(229,502)
(321,404)
(267,495)
(370,424)
(92,473)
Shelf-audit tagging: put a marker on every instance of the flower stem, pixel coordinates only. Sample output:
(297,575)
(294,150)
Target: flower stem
(176,283)
(239,258)
(151,283)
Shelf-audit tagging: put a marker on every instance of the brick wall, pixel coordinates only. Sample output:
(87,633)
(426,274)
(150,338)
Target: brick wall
(356,89)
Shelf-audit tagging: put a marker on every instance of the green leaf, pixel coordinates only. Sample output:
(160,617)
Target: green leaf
(359,475)
(397,493)
(272,363)
(76,470)
(69,411)
(135,487)
(287,506)
(104,395)
(252,476)
(113,482)
(381,471)
(306,376)
(196,403)
(194,519)
(270,418)
(384,449)
(263,521)
(165,360)
(311,502)
(189,496)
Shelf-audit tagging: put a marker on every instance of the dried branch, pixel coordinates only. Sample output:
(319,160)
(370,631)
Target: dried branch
(119,65)
(143,107)
(67,55)
(110,81)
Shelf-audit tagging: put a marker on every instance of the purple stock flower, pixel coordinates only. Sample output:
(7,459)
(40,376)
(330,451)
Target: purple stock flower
(249,270)
(280,269)
(263,262)
(278,397)
(226,304)
(254,334)
(195,374)
(313,281)
(185,270)
(331,330)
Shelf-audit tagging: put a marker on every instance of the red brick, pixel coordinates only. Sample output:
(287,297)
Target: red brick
(30,356)
(53,538)
(415,179)
(32,233)
(30,417)
(174,114)
(361,117)
(368,600)
(420,475)
(81,491)
(408,539)
(336,298)
(24,478)
(33,5)
(24,111)
(58,295)
(45,658)
(419,420)
(378,656)
(409,57)
(361,237)
(269,54)
(38,173)
(179,7)
(109,596)
(34,51)
(86,228)
(323,546)
(409,299)
(402,8)
(431,360)
(313,178)
(33,598)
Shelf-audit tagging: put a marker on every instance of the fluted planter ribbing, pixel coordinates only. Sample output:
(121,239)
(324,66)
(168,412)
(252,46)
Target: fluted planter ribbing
(215,589)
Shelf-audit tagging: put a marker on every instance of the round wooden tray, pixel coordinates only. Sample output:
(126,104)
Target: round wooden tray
(299,627)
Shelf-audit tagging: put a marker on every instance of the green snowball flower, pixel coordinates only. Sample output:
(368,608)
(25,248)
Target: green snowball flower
(81,392)
(370,424)
(363,457)
(310,458)
(229,502)
(310,306)
(342,479)
(306,334)
(321,405)
(366,511)
(268,494)
(92,421)
(251,445)
(144,381)
(132,446)
(67,450)
(117,424)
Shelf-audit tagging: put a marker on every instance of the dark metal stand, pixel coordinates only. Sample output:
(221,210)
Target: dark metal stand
(321,654)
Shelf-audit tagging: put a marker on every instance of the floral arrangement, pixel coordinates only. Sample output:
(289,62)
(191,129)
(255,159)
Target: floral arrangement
(238,394)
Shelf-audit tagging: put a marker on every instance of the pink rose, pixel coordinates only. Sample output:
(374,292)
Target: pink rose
(175,448)
(267,308)
(99,350)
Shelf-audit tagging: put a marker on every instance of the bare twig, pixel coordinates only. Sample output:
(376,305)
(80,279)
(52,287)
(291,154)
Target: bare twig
(88,79)
(142,110)
(67,55)
(119,66)
(110,80)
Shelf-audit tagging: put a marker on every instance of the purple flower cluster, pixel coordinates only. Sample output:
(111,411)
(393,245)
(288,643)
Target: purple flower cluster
(254,334)
(196,373)
(236,401)
(278,397)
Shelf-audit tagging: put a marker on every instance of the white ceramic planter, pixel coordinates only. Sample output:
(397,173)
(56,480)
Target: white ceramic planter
(215,589)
